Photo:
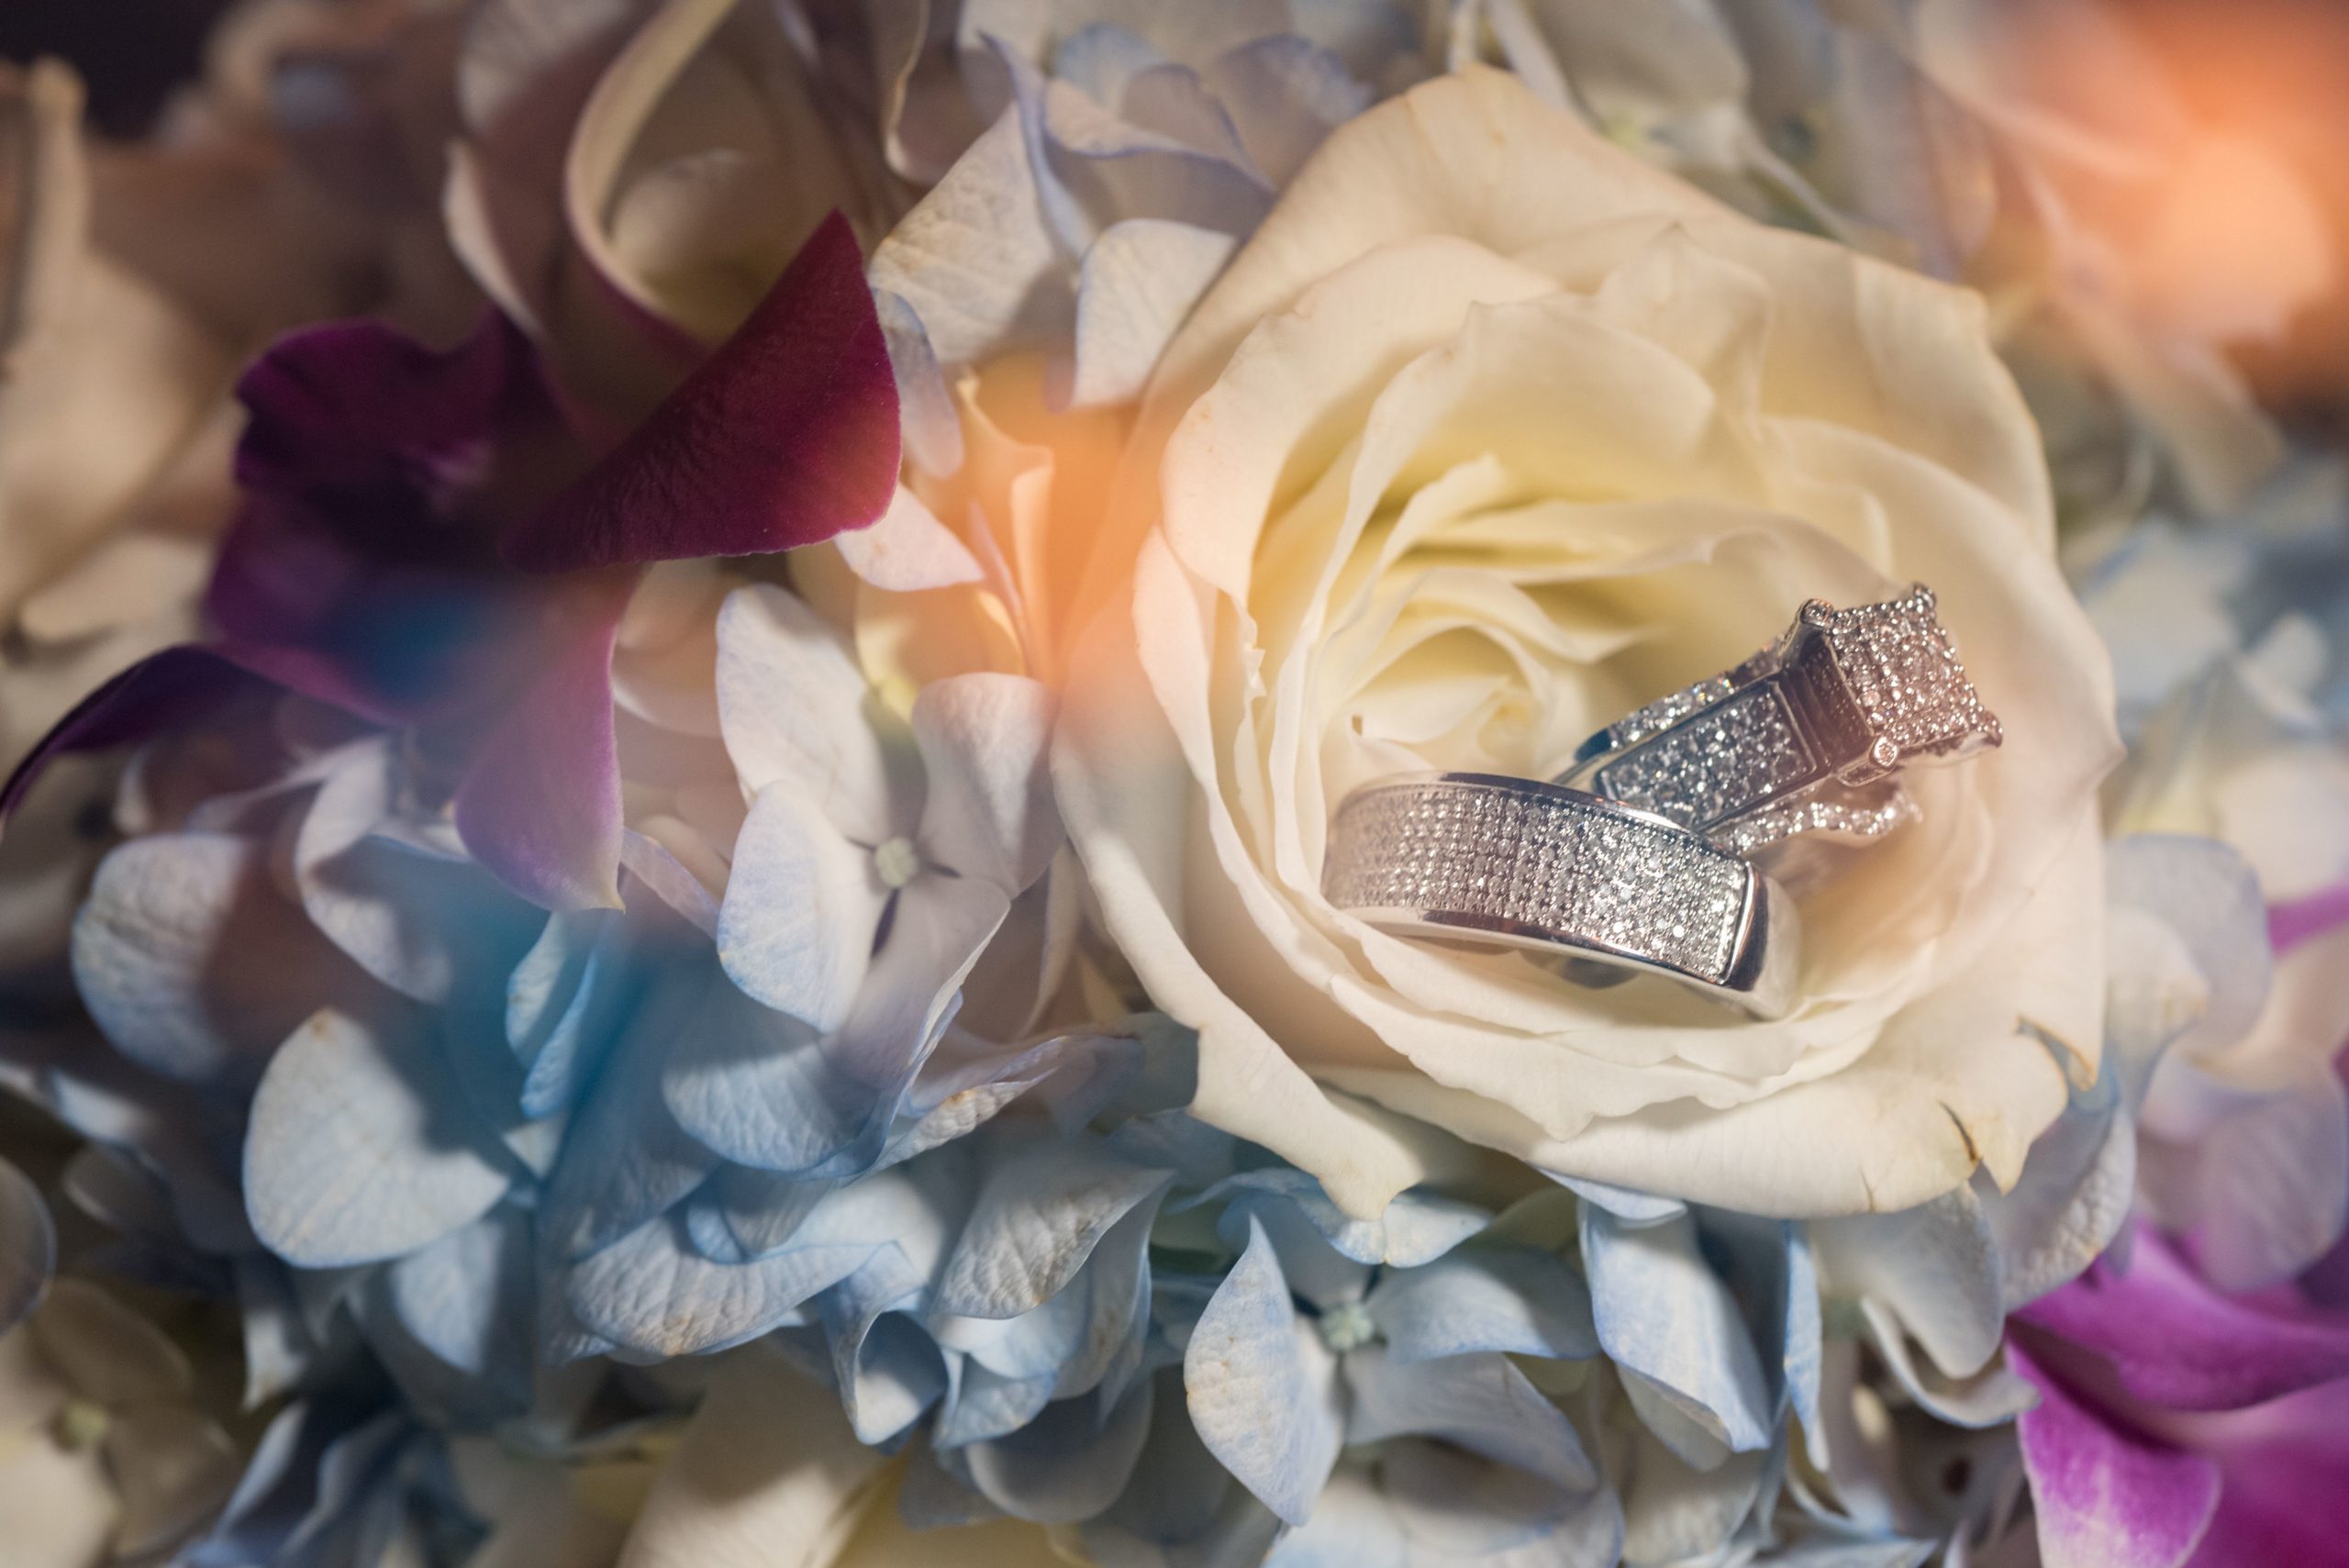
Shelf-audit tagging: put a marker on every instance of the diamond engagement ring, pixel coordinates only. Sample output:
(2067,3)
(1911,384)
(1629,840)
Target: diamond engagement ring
(1803,738)
(1515,862)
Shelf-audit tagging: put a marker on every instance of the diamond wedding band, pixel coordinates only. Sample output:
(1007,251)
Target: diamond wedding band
(1517,862)
(1803,738)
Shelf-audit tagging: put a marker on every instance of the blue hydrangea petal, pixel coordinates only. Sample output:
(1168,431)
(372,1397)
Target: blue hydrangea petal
(190,961)
(759,1087)
(453,1321)
(1118,1309)
(1037,1220)
(1198,1154)
(888,1370)
(1263,1389)
(191,1143)
(1626,1204)
(1284,94)
(742,1214)
(755,1087)
(1181,1499)
(564,1002)
(1452,1502)
(1034,1345)
(986,1405)
(1486,1298)
(1664,1318)
(1831,1552)
(27,1247)
(624,1159)
(1935,1268)
(1989,1395)
(1067,1465)
(650,1292)
(1353,1526)
(419,917)
(801,907)
(359,1148)
(1768,1267)
(956,1094)
(1416,1228)
(458,1298)
(1676,1512)
(1481,1403)
(2186,916)
(2077,1186)
(987,811)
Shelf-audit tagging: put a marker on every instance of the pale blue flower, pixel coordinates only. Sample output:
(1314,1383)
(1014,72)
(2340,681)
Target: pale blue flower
(1127,153)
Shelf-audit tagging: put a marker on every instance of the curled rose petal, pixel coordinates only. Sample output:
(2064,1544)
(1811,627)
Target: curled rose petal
(786,436)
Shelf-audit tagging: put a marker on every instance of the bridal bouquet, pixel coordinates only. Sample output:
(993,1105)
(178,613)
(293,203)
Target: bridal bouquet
(1168,783)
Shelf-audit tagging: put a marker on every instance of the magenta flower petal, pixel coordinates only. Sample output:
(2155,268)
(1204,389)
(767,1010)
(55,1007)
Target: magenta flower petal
(2107,1499)
(2289,925)
(540,804)
(2177,1345)
(786,436)
(2286,1497)
(160,690)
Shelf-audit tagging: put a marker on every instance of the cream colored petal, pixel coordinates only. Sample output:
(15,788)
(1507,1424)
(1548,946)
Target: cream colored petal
(59,1507)
(768,1475)
(1126,799)
(1965,1078)
(108,1352)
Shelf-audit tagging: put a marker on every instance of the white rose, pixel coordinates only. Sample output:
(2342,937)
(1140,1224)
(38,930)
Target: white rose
(1491,434)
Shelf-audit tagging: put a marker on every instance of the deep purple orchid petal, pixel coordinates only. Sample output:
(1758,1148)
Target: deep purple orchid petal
(160,692)
(540,804)
(2289,925)
(2107,1499)
(360,406)
(2177,1345)
(786,436)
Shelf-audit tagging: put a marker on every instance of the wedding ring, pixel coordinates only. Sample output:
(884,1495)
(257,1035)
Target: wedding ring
(1803,738)
(1517,862)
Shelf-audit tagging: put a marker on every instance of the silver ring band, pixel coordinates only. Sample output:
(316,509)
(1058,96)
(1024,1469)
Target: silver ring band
(1802,737)
(1518,862)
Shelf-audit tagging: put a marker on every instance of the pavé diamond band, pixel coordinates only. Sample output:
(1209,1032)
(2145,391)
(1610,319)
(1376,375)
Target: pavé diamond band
(1804,737)
(1517,862)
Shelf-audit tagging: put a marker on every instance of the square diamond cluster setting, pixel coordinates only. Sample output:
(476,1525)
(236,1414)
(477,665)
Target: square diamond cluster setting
(1549,860)
(1902,668)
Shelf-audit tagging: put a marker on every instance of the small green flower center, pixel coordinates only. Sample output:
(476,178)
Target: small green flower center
(83,1424)
(1347,1327)
(896,862)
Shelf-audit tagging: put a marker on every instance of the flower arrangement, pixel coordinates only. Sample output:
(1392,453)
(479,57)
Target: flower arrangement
(805,786)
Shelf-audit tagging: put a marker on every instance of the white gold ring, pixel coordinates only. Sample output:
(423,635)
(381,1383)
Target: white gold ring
(1803,738)
(1515,862)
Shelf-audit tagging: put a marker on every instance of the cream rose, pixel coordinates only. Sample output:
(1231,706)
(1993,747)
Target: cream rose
(1491,434)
